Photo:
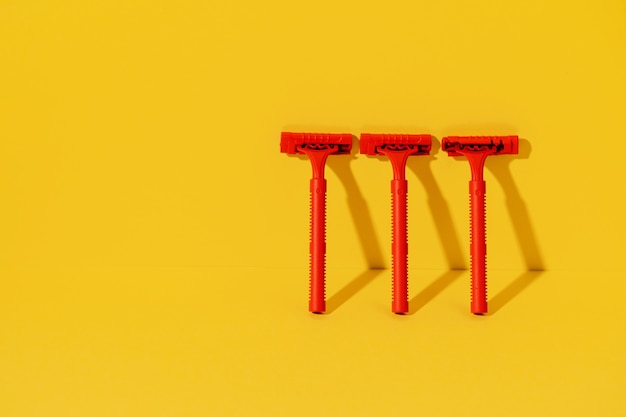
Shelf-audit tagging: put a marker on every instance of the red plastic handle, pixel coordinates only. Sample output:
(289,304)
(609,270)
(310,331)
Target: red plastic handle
(397,148)
(478,247)
(317,146)
(317,269)
(476,149)
(399,246)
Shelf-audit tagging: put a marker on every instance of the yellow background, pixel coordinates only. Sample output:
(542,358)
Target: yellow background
(153,240)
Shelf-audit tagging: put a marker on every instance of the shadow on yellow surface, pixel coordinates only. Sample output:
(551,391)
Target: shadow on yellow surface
(359,211)
(350,289)
(515,288)
(518,212)
(439,209)
(433,289)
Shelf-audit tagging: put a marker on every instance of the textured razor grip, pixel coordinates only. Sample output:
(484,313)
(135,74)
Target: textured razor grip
(399,246)
(478,247)
(317,268)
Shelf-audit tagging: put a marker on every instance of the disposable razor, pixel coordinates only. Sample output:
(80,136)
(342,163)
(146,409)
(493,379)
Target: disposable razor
(397,148)
(476,149)
(317,146)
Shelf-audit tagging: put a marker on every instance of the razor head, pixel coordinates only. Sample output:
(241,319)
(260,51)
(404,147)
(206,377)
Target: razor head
(293,143)
(492,145)
(378,144)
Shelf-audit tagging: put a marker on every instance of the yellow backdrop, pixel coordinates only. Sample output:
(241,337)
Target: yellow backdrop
(154,241)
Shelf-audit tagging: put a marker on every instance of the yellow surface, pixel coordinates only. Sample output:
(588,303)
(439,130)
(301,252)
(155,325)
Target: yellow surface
(153,240)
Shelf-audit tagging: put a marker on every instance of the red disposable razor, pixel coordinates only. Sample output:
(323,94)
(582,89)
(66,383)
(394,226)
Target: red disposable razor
(397,148)
(476,149)
(317,146)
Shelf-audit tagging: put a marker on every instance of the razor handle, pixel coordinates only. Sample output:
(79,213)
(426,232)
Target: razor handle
(399,246)
(478,247)
(317,250)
